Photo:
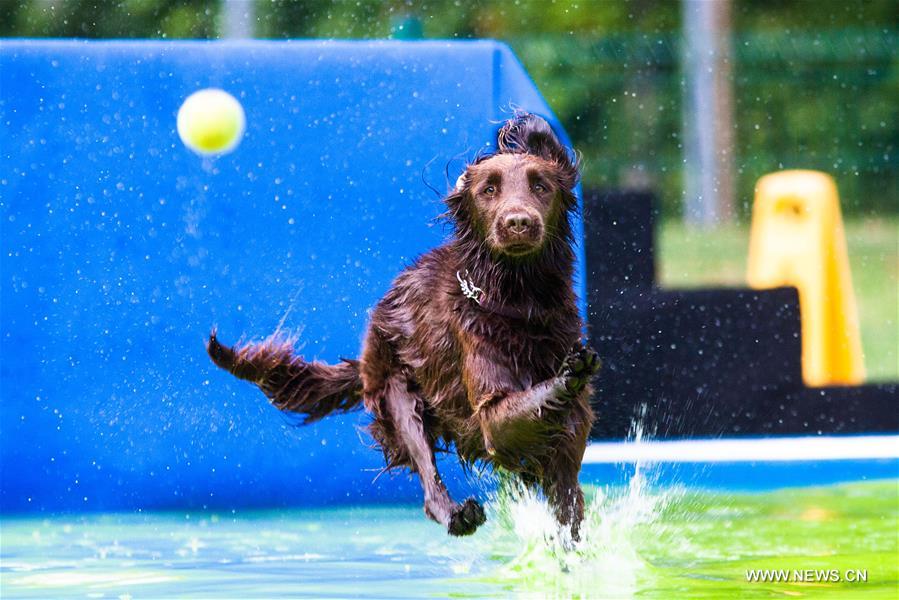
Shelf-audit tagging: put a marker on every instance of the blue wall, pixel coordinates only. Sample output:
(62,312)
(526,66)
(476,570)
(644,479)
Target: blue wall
(120,248)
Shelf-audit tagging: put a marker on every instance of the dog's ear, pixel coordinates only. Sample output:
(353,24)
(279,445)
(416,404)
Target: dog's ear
(456,213)
(532,135)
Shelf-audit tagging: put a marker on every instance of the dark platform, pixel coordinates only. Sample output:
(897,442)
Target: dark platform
(704,362)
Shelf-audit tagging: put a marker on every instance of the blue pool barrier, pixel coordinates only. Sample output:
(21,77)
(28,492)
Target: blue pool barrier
(121,248)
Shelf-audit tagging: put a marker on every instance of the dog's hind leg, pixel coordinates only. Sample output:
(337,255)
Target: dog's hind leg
(560,473)
(564,494)
(402,420)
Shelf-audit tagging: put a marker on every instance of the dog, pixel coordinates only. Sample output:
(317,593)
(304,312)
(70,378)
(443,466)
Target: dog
(477,345)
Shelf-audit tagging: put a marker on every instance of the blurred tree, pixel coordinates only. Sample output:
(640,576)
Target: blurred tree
(108,19)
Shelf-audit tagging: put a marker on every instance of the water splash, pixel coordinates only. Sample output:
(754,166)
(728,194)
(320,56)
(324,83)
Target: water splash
(538,558)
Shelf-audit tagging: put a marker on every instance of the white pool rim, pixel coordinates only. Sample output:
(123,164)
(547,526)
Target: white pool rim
(771,449)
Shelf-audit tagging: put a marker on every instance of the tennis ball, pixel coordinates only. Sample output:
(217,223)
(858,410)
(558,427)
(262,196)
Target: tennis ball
(211,121)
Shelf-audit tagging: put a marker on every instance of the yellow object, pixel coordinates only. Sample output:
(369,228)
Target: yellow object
(211,121)
(797,240)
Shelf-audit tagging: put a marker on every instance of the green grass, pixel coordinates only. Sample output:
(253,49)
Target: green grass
(693,258)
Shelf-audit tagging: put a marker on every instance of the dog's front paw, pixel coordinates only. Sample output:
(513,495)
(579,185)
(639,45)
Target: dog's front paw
(466,518)
(579,367)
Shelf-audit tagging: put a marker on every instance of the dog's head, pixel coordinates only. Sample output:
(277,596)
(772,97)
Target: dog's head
(520,197)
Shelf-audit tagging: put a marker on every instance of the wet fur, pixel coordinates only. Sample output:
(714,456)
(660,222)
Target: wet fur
(507,380)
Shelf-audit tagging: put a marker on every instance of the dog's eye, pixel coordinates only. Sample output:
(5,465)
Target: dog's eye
(539,187)
(490,190)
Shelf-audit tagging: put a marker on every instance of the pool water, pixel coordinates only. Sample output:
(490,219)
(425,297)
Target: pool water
(638,540)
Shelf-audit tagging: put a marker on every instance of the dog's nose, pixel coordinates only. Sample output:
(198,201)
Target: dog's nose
(518,223)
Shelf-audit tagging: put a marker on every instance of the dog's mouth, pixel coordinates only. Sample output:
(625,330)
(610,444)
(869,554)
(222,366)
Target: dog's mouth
(518,243)
(519,248)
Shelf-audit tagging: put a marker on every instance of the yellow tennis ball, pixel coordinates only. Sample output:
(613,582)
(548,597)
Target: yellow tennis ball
(211,121)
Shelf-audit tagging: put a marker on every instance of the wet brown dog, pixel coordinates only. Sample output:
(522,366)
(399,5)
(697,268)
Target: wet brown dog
(477,344)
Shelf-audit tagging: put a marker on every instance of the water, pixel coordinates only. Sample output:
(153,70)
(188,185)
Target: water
(638,541)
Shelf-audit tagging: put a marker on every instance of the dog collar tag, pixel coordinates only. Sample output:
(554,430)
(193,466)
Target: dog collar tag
(469,289)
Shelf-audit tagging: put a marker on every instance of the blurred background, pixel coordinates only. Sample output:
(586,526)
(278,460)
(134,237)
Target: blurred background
(808,85)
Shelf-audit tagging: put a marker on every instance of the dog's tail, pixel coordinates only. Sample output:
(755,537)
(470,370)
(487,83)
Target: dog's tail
(312,389)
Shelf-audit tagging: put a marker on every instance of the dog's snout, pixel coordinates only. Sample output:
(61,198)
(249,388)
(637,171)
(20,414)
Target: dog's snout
(519,223)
